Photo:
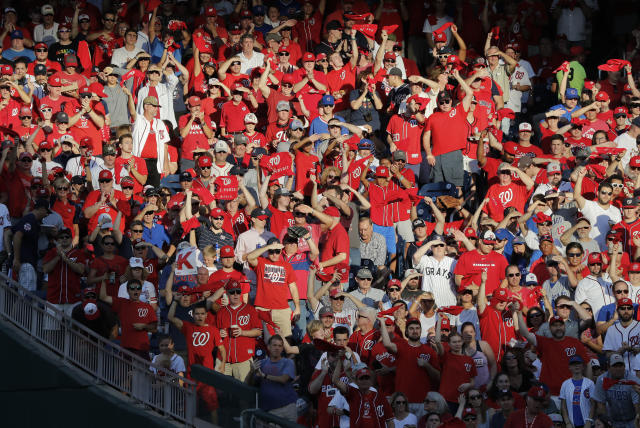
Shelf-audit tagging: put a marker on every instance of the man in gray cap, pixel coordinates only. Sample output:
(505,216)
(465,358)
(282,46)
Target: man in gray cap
(365,293)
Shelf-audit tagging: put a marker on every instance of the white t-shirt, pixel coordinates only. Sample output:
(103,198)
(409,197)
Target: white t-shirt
(520,76)
(36,167)
(121,56)
(340,402)
(48,36)
(74,168)
(586,392)
(626,141)
(410,419)
(147,295)
(5,222)
(95,175)
(177,364)
(597,292)
(438,278)
(599,219)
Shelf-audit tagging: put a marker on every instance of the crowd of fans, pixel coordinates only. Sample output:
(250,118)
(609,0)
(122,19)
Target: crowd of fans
(382,213)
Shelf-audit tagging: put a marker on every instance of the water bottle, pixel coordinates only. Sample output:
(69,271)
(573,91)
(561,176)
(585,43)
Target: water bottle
(217,253)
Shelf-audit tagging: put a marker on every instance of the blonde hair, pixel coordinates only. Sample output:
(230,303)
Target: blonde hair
(314,326)
(330,169)
(209,251)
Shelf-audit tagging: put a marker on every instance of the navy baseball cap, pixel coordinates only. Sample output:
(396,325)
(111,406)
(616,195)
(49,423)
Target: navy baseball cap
(365,144)
(327,100)
(571,94)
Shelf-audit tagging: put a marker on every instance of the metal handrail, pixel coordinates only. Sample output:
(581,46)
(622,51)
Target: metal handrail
(99,357)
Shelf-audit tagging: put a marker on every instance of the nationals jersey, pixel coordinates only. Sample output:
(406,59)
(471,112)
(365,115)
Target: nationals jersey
(497,329)
(362,344)
(554,355)
(241,348)
(201,342)
(369,409)
(617,333)
(412,379)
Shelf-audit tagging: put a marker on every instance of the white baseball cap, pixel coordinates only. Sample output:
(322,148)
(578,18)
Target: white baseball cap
(221,146)
(136,262)
(525,126)
(250,118)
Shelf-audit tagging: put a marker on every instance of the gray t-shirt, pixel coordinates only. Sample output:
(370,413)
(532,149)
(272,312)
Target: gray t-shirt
(571,328)
(372,297)
(620,399)
(117,104)
(559,288)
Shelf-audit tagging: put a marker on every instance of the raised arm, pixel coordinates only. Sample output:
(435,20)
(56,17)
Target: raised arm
(386,340)
(577,190)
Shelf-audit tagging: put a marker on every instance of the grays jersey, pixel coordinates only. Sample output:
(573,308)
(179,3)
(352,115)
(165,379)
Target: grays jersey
(620,400)
(438,278)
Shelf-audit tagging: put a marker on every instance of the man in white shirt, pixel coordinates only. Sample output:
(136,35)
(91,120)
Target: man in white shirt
(123,55)
(46,32)
(519,80)
(600,213)
(628,140)
(249,59)
(596,289)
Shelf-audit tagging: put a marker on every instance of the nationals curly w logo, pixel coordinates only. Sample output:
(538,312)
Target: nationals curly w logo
(570,351)
(274,161)
(506,196)
(142,312)
(200,338)
(226,181)
(243,320)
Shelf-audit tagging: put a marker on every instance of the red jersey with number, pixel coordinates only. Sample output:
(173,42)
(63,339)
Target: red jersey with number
(239,349)
(326,394)
(412,379)
(448,130)
(130,313)
(141,167)
(201,342)
(514,194)
(273,279)
(497,329)
(369,409)
(381,357)
(362,344)
(256,138)
(406,134)
(456,370)
(554,355)
(63,284)
(628,232)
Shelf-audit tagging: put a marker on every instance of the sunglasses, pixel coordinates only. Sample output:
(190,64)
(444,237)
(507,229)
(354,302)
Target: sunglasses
(338,298)
(63,30)
(287,85)
(127,187)
(626,308)
(438,246)
(390,60)
(85,95)
(109,19)
(332,177)
(574,254)
(444,102)
(584,228)
(511,275)
(25,117)
(104,180)
(275,251)
(299,214)
(41,50)
(470,418)
(137,230)
(205,167)
(234,291)
(394,289)
(283,54)
(136,288)
(218,218)
(46,110)
(45,150)
(617,185)
(606,193)
(153,72)
(535,315)
(475,397)
(399,402)
(564,306)
(622,291)
(27,160)
(109,243)
(62,189)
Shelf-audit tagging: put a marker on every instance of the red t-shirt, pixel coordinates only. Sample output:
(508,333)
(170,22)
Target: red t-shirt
(241,348)
(406,133)
(531,151)
(554,355)
(279,220)
(232,116)
(63,284)
(86,127)
(67,211)
(130,313)
(472,263)
(118,265)
(141,168)
(219,279)
(448,130)
(456,370)
(201,342)
(514,194)
(333,242)
(195,139)
(94,197)
(497,329)
(273,279)
(305,164)
(518,419)
(412,379)
(343,79)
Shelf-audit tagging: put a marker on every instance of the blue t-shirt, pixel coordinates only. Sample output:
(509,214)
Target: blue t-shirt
(608,311)
(575,403)
(274,395)
(11,54)
(157,235)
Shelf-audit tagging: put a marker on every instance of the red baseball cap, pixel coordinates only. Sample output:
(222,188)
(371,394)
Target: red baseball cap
(25,111)
(510,147)
(320,56)
(470,232)
(634,267)
(308,56)
(620,111)
(536,392)
(394,283)
(602,96)
(324,277)
(589,84)
(216,212)
(283,48)
(98,89)
(500,295)
(126,180)
(194,100)
(541,218)
(210,11)
(383,171)
(227,251)
(445,324)
(440,37)
(555,319)
(85,142)
(204,161)
(287,78)
(6,70)
(389,55)
(54,81)
(105,174)
(594,258)
(45,145)
(40,46)
(233,284)
(625,301)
